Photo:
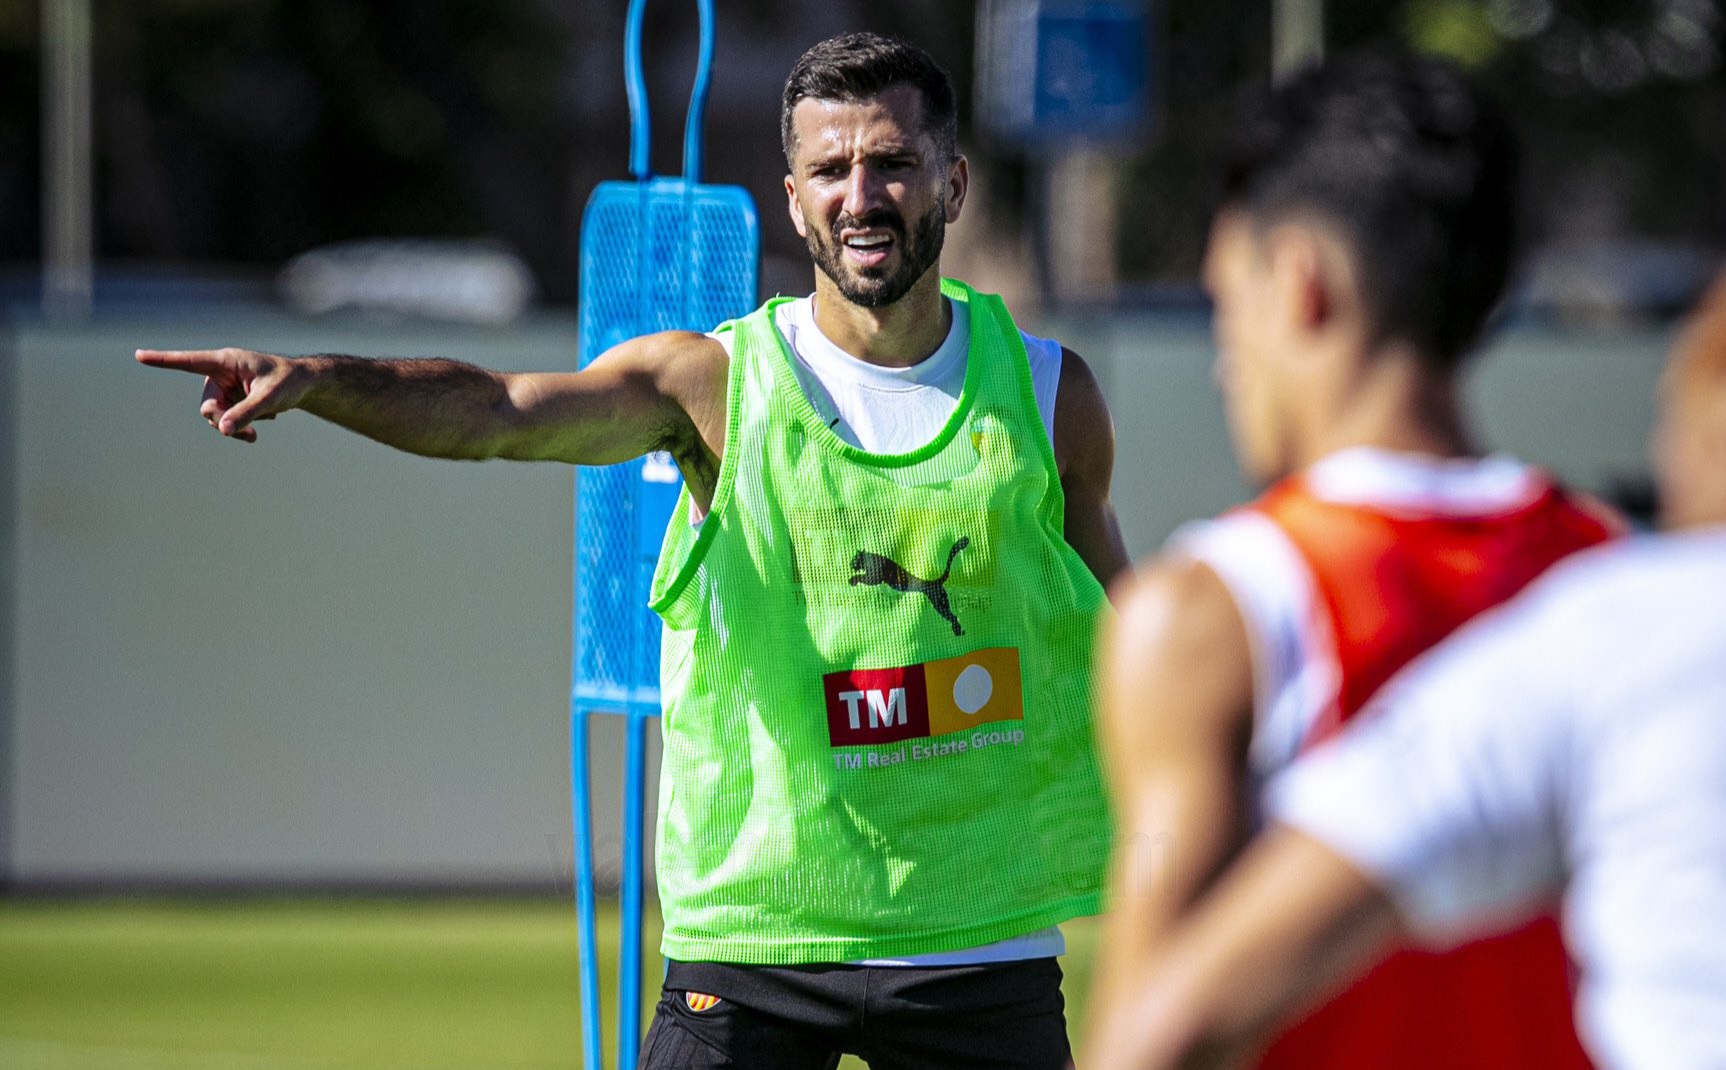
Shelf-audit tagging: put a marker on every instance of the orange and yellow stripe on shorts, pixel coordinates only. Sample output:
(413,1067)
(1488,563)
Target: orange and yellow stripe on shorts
(700,1001)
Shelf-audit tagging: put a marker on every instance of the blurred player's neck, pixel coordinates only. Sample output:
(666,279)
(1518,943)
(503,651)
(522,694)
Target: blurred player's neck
(894,336)
(1390,399)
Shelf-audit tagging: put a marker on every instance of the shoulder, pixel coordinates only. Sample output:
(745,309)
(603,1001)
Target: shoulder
(687,375)
(1078,381)
(1563,635)
(1578,590)
(1629,590)
(1177,608)
(1084,434)
(1174,597)
(1050,359)
(1179,644)
(686,365)
(665,350)
(1045,354)
(1269,580)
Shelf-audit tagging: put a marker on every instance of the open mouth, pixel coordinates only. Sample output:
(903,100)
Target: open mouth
(868,248)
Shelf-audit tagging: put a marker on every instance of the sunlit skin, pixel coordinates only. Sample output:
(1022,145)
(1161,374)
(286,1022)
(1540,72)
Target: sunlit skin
(863,175)
(1301,372)
(1689,443)
(1247,325)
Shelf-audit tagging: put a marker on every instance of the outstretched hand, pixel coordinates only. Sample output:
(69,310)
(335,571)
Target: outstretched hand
(240,386)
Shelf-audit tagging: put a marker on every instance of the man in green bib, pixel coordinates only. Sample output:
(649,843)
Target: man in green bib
(880,590)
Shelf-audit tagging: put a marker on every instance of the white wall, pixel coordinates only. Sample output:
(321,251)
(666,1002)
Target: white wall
(312,658)
(1579,404)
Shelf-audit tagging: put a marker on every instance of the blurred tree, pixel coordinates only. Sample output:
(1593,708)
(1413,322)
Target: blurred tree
(1621,105)
(1207,51)
(248,130)
(245,131)
(20,131)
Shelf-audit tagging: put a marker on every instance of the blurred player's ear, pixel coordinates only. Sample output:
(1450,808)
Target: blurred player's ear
(1301,281)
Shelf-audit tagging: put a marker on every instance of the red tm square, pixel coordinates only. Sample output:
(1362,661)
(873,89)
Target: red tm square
(876,706)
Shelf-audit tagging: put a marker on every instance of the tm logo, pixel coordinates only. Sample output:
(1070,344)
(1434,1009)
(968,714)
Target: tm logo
(886,708)
(874,570)
(935,698)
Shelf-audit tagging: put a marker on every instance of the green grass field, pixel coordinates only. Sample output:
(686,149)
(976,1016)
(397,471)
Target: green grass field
(308,984)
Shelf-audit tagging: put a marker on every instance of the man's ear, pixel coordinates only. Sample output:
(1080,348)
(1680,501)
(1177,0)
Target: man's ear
(958,184)
(792,207)
(1303,278)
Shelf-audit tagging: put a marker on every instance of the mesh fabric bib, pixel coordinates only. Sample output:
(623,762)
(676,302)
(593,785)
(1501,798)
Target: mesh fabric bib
(876,675)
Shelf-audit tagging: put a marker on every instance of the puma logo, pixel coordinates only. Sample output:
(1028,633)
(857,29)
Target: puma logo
(873,570)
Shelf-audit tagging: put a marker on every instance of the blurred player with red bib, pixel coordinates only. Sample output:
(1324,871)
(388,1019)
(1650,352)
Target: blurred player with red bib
(1567,742)
(1365,236)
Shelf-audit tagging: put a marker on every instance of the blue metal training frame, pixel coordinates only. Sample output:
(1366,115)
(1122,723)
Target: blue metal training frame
(656,254)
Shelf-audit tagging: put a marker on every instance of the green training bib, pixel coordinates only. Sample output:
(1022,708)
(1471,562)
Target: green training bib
(877,679)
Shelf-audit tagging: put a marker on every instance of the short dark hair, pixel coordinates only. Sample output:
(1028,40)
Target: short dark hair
(858,66)
(1417,169)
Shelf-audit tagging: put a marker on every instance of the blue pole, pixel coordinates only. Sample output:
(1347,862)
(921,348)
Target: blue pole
(592,1021)
(698,97)
(635,83)
(629,950)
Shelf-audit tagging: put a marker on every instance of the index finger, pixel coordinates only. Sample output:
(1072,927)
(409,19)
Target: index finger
(198,361)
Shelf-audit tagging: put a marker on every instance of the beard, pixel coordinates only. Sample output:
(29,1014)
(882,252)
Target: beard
(878,287)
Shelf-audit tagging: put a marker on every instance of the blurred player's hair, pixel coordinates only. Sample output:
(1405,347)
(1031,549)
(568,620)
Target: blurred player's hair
(1414,167)
(855,67)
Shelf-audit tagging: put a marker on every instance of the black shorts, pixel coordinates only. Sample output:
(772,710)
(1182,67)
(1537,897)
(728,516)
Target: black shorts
(1006,1015)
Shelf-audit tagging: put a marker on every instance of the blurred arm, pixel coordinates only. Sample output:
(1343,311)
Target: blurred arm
(1176,715)
(1442,798)
(1286,925)
(1085,454)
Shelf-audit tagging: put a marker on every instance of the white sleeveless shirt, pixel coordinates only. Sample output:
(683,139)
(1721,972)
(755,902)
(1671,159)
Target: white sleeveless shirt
(896,410)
